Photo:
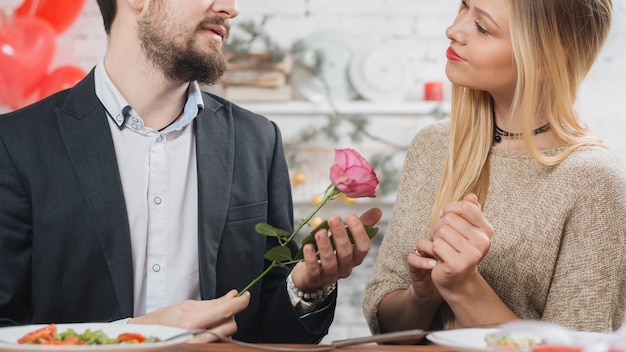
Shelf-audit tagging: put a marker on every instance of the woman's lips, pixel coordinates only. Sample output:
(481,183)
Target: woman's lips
(452,55)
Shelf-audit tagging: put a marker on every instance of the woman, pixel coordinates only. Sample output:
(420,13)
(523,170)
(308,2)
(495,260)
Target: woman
(512,209)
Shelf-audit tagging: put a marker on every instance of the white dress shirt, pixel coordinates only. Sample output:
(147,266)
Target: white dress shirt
(159,180)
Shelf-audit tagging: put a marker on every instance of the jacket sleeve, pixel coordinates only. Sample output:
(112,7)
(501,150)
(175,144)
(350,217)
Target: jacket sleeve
(15,243)
(260,191)
(282,322)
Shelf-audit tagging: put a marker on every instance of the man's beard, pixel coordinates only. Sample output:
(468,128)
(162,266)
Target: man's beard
(172,48)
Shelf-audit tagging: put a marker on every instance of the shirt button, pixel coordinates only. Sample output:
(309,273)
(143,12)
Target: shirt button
(156,268)
(135,119)
(159,138)
(135,126)
(157,200)
(119,118)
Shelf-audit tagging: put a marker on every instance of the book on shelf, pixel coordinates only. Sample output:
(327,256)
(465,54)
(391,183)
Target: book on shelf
(257,70)
(259,61)
(254,77)
(257,94)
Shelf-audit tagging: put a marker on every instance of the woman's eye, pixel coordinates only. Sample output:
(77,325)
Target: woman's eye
(480,28)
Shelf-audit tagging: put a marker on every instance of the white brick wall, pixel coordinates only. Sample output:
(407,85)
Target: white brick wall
(415,30)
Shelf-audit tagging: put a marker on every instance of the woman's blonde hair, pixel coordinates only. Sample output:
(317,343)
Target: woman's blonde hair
(555,44)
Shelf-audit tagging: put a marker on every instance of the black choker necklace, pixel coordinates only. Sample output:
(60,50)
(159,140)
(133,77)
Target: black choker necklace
(174,120)
(499,133)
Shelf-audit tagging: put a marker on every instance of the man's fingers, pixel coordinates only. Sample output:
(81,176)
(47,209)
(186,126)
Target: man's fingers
(371,216)
(211,313)
(216,334)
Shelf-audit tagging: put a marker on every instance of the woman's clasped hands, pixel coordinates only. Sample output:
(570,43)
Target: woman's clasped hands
(447,260)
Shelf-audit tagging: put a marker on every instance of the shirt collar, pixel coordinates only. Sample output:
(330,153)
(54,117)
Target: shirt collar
(193,107)
(118,108)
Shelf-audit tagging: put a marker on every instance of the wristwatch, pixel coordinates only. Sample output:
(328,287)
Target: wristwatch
(308,301)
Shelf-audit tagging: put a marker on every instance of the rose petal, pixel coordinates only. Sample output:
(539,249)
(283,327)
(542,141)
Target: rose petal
(353,175)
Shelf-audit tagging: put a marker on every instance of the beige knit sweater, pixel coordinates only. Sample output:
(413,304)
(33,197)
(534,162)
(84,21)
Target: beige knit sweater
(559,249)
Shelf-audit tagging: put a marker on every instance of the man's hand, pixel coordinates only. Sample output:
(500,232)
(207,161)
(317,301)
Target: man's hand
(217,315)
(334,264)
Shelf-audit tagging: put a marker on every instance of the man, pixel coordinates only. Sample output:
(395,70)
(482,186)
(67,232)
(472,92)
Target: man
(134,195)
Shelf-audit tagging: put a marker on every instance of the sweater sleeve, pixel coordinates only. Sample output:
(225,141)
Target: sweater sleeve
(410,219)
(588,289)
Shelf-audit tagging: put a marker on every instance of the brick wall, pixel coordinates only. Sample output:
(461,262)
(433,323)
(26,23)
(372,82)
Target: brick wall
(414,30)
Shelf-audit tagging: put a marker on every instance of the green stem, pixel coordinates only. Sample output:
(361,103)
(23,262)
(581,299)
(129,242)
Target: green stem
(253,282)
(330,193)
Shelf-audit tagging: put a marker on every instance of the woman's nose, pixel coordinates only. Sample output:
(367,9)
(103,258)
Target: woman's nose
(456,31)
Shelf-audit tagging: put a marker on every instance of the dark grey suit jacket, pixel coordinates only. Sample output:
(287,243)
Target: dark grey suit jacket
(65,253)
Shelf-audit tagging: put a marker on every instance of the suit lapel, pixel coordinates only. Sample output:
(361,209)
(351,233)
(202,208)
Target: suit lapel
(215,150)
(88,140)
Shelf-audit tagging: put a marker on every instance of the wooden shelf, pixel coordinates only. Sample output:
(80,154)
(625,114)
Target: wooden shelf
(349,108)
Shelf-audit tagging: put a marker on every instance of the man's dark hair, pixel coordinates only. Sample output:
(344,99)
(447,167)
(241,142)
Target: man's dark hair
(108,8)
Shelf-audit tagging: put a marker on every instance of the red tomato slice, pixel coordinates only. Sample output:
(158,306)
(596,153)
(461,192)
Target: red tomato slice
(72,340)
(129,337)
(549,348)
(44,334)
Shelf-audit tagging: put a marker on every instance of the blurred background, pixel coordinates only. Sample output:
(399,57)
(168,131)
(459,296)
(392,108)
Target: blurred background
(365,74)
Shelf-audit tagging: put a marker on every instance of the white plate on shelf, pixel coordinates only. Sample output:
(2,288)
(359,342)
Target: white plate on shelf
(379,74)
(10,335)
(336,50)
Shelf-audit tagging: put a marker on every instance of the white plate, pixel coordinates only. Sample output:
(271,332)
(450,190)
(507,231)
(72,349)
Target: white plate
(10,335)
(462,339)
(378,74)
(336,50)
(473,340)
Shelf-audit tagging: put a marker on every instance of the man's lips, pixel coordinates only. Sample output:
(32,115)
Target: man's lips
(453,56)
(218,30)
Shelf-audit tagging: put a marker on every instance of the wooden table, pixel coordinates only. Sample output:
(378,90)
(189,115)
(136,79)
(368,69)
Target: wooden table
(364,343)
(229,347)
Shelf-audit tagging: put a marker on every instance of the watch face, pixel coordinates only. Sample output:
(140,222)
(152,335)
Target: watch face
(307,302)
(307,307)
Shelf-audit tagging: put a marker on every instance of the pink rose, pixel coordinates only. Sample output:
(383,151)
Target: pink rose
(353,175)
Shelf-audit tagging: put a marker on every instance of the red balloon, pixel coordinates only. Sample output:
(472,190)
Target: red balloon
(62,78)
(59,13)
(26,49)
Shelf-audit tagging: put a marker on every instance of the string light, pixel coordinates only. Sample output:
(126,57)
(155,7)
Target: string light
(317,200)
(347,200)
(298,178)
(316,221)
